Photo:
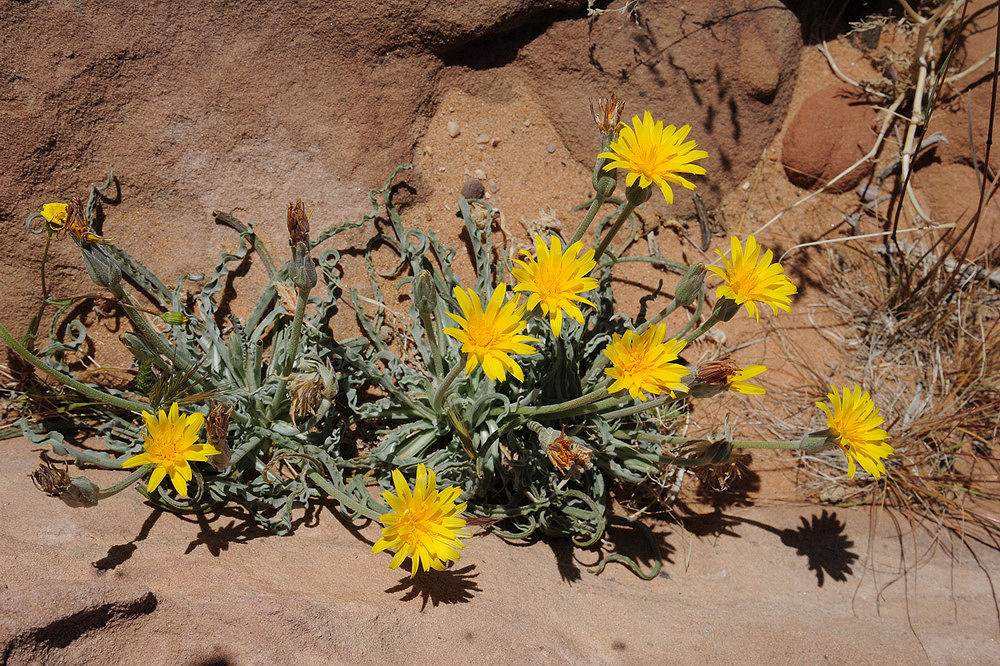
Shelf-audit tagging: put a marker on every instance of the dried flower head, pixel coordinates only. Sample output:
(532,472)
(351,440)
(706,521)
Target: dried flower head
(308,389)
(217,434)
(69,218)
(50,479)
(298,223)
(608,115)
(568,456)
(724,371)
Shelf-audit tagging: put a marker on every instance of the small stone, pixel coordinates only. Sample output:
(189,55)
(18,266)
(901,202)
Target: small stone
(527,123)
(473,189)
(453,129)
(480,174)
(551,148)
(483,138)
(745,186)
(440,169)
(493,186)
(69,53)
(496,142)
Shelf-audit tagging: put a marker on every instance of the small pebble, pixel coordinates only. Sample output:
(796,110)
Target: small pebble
(69,53)
(493,186)
(453,129)
(473,189)
(483,138)
(480,174)
(551,148)
(451,109)
(527,123)
(745,186)
(867,192)
(441,169)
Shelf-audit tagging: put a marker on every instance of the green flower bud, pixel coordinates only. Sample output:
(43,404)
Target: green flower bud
(102,268)
(82,492)
(301,270)
(690,285)
(424,293)
(174,318)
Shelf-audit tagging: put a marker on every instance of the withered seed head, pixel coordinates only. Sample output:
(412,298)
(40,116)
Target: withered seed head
(608,115)
(569,457)
(298,223)
(217,433)
(718,371)
(50,479)
(76,224)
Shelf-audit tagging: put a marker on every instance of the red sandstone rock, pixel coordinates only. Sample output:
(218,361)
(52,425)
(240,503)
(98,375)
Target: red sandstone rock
(832,130)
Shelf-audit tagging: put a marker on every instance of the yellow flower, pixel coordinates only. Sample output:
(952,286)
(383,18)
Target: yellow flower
(855,422)
(490,335)
(643,363)
(170,444)
(423,525)
(653,153)
(55,214)
(555,279)
(738,381)
(751,278)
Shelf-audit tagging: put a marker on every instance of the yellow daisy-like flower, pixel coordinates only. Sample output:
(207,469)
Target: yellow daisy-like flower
(643,363)
(855,422)
(738,381)
(170,444)
(489,336)
(55,214)
(652,153)
(751,278)
(555,279)
(424,524)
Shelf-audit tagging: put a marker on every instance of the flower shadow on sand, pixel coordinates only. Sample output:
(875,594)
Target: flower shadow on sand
(451,586)
(823,543)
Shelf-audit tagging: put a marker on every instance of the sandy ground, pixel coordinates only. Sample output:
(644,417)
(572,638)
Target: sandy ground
(123,583)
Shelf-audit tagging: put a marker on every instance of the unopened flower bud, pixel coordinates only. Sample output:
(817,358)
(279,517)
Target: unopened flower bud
(82,492)
(102,268)
(424,293)
(690,285)
(301,270)
(174,318)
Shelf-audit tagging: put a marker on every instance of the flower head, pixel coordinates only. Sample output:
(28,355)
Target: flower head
(55,215)
(652,153)
(424,524)
(643,363)
(568,456)
(555,279)
(724,371)
(490,335)
(170,444)
(751,278)
(854,421)
(608,114)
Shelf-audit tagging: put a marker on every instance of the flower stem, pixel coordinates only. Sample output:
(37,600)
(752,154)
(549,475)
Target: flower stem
(342,497)
(288,362)
(798,444)
(442,390)
(76,385)
(712,320)
(638,408)
(104,493)
(154,337)
(585,224)
(603,246)
(552,411)
(430,330)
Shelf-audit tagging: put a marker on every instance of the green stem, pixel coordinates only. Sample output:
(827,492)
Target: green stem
(671,265)
(639,408)
(553,411)
(585,224)
(152,336)
(442,390)
(104,493)
(745,444)
(712,320)
(432,339)
(76,385)
(342,497)
(288,362)
(626,211)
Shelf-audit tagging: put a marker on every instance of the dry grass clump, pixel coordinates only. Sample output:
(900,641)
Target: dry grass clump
(935,357)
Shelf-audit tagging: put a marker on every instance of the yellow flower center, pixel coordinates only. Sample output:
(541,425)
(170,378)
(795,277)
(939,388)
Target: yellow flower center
(168,448)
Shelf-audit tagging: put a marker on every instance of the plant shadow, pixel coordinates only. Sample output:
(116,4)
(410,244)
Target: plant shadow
(450,586)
